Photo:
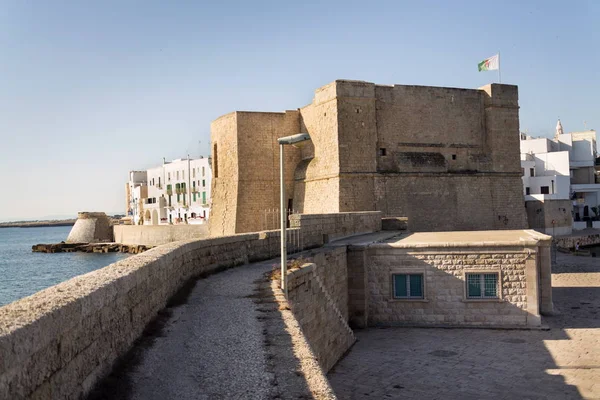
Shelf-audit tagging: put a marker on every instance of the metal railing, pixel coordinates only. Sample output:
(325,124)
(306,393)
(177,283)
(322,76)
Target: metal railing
(271,220)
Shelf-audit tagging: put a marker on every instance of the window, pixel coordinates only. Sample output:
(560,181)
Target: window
(482,286)
(382,152)
(454,156)
(182,174)
(194,173)
(522,171)
(194,195)
(169,176)
(203,197)
(527,190)
(177,175)
(202,171)
(408,286)
(203,183)
(545,190)
(215,162)
(531,172)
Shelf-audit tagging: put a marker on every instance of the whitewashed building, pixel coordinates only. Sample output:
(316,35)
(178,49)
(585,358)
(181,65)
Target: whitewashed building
(136,191)
(177,192)
(559,181)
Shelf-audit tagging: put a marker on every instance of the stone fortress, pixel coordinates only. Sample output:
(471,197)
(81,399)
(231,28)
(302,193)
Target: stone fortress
(446,158)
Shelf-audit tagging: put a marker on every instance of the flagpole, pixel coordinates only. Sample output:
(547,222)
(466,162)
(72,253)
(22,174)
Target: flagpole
(499,74)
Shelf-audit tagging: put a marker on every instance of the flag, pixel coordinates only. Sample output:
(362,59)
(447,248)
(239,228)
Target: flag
(489,63)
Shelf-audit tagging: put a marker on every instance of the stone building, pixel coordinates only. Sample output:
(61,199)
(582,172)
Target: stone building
(446,158)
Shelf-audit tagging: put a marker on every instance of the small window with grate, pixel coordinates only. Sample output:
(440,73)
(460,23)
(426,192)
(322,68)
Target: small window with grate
(408,286)
(482,286)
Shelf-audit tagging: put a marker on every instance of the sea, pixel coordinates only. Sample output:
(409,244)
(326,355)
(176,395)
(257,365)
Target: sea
(23,272)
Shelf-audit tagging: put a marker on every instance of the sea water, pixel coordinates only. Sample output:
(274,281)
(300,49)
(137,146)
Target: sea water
(22,272)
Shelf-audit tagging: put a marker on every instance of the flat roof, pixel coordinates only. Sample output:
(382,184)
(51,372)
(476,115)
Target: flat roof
(525,237)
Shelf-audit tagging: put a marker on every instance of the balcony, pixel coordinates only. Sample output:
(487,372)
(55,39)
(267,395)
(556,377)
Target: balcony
(169,192)
(195,189)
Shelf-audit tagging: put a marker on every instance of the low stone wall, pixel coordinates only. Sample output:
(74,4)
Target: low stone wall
(60,341)
(318,296)
(156,235)
(318,229)
(570,241)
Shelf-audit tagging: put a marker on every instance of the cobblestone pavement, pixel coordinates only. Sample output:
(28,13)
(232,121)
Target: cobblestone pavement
(561,363)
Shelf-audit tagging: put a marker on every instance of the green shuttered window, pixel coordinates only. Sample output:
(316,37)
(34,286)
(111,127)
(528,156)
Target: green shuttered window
(482,286)
(408,286)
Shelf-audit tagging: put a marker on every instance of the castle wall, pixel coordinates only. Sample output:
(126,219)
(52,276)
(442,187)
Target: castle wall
(225,167)
(418,119)
(259,165)
(255,166)
(317,182)
(448,159)
(445,158)
(445,202)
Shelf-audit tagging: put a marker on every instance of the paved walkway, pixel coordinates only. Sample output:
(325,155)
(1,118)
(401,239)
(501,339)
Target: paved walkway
(210,347)
(562,363)
(229,338)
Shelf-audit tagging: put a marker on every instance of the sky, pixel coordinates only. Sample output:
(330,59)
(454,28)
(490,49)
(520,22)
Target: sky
(92,89)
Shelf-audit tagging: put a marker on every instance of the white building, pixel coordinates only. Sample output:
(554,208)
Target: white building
(561,169)
(136,191)
(178,192)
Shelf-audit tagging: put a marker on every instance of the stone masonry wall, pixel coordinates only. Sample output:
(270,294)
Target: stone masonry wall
(318,296)
(371,145)
(225,180)
(91,227)
(446,202)
(445,300)
(258,165)
(60,341)
(318,229)
(552,217)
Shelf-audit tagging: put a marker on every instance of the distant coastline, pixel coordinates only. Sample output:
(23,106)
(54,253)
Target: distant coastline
(37,224)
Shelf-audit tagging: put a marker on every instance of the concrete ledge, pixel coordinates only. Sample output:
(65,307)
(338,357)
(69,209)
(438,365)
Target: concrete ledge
(475,239)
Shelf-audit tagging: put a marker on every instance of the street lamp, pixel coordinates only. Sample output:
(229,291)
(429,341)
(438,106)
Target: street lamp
(294,140)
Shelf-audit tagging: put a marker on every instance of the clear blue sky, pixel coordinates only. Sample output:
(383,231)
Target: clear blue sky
(90,90)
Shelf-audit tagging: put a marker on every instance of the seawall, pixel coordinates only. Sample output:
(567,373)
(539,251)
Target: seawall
(60,341)
(156,235)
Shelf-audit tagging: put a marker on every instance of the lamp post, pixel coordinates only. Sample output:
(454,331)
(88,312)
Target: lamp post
(293,140)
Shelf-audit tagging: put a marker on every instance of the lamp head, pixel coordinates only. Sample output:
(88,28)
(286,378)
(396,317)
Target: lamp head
(296,140)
